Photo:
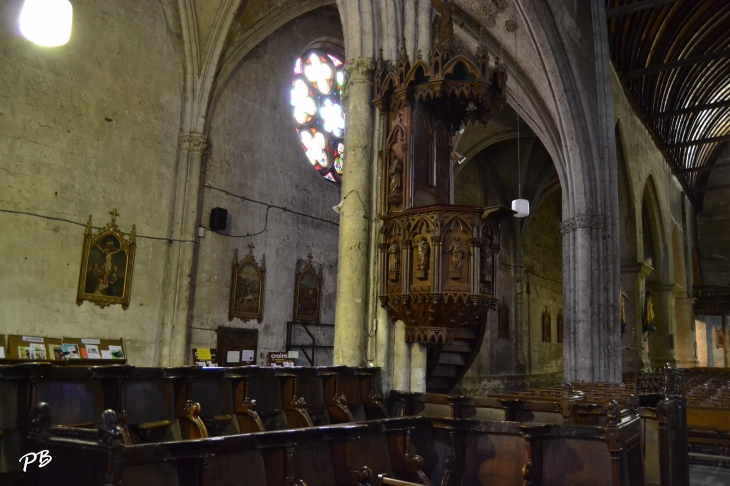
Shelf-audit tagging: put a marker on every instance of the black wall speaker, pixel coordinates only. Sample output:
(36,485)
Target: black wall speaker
(218,217)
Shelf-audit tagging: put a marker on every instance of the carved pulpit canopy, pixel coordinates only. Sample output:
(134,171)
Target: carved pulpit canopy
(437,259)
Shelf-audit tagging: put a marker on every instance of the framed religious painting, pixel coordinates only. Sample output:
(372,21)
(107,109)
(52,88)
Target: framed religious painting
(247,287)
(107,261)
(307,292)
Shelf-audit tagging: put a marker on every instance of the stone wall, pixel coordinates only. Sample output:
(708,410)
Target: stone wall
(651,195)
(713,227)
(87,127)
(257,170)
(543,261)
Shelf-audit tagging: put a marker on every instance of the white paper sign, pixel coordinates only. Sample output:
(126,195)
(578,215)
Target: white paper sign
(2,352)
(32,339)
(233,357)
(247,355)
(93,351)
(106,354)
(294,354)
(91,341)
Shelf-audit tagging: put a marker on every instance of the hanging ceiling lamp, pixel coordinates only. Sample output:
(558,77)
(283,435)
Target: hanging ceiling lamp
(519,205)
(47,22)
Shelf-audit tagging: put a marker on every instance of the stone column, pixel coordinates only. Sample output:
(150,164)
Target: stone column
(634,278)
(401,358)
(419,356)
(726,347)
(663,342)
(685,323)
(632,340)
(353,264)
(180,268)
(592,335)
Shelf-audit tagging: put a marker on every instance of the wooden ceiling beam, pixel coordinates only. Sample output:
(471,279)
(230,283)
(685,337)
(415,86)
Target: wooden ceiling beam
(676,64)
(708,188)
(704,168)
(692,109)
(701,141)
(635,7)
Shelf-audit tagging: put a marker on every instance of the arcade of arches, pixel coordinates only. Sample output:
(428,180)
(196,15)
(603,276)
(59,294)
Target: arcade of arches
(165,110)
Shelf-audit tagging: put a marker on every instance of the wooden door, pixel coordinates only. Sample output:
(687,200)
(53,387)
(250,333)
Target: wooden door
(237,347)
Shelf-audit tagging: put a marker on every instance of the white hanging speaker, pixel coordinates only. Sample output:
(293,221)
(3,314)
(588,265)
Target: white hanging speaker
(47,22)
(522,206)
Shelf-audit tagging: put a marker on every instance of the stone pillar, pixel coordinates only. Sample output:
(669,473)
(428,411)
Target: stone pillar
(686,338)
(632,339)
(633,278)
(592,332)
(419,355)
(663,342)
(383,352)
(180,269)
(401,358)
(726,347)
(353,263)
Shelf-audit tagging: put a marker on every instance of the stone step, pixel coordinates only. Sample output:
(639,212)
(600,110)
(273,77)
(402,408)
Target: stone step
(451,359)
(437,385)
(466,332)
(444,371)
(459,346)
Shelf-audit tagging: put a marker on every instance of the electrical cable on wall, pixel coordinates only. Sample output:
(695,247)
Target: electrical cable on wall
(64,220)
(268,207)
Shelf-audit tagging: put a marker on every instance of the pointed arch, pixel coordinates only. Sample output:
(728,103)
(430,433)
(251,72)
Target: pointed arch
(653,230)
(628,236)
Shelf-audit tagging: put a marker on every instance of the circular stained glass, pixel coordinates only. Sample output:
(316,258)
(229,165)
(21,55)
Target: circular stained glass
(316,100)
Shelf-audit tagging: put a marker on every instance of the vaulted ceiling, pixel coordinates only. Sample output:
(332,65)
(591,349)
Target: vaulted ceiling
(673,59)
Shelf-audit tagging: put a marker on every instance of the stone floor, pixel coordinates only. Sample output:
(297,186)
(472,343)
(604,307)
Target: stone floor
(708,476)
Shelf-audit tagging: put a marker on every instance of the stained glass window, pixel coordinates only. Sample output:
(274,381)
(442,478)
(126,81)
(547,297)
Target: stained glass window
(316,100)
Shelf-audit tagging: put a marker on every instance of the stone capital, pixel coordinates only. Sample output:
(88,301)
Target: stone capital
(590,221)
(193,141)
(360,69)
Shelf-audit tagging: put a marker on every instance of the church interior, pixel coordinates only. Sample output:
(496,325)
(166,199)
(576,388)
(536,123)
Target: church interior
(381,242)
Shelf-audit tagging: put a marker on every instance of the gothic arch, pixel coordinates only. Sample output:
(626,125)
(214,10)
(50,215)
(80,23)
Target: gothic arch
(678,261)
(628,236)
(651,211)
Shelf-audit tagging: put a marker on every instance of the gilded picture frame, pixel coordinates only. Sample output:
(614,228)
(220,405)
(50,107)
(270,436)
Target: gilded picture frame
(307,292)
(247,288)
(107,264)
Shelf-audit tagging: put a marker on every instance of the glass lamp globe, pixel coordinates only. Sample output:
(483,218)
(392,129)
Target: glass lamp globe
(46,22)
(522,206)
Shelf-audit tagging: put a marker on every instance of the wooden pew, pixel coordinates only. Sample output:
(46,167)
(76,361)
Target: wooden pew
(517,407)
(378,452)
(257,399)
(203,401)
(303,397)
(148,402)
(240,460)
(99,457)
(560,455)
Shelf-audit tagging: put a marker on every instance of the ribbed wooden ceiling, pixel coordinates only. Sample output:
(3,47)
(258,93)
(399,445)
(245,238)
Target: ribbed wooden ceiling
(673,58)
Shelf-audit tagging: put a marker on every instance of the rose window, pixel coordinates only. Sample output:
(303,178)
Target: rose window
(316,100)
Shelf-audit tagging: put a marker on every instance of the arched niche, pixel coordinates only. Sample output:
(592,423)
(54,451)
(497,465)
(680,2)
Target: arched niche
(661,344)
(632,269)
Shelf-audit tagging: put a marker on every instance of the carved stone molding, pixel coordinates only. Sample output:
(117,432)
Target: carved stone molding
(193,142)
